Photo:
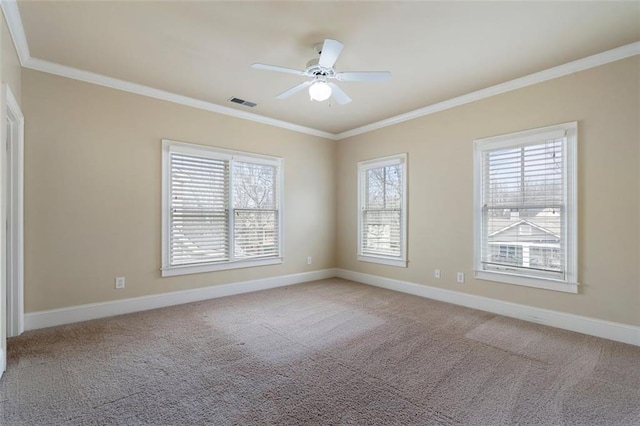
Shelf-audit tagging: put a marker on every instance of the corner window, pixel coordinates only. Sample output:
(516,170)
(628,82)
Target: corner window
(525,208)
(382,216)
(221,209)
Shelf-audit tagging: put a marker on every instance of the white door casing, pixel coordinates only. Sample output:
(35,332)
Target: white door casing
(14,120)
(11,220)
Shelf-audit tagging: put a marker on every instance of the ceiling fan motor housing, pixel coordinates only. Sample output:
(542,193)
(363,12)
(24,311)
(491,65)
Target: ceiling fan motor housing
(313,69)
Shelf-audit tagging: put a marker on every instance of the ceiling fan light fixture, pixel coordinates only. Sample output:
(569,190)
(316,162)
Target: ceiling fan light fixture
(319,91)
(321,72)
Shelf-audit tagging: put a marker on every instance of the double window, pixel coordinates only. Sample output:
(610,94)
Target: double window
(525,208)
(382,219)
(221,209)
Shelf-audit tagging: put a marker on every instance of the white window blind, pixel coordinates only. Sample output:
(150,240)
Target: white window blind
(222,209)
(199,217)
(382,220)
(526,204)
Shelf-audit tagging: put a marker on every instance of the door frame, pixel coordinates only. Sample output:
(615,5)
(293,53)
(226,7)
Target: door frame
(11,221)
(14,202)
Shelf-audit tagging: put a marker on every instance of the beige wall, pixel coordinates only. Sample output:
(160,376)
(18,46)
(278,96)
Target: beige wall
(93,191)
(605,102)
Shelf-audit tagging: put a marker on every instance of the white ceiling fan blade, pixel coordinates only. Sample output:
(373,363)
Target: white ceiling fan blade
(294,89)
(330,51)
(364,76)
(339,95)
(276,68)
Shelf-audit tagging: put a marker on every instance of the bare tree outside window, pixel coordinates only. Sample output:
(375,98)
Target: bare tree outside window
(255,215)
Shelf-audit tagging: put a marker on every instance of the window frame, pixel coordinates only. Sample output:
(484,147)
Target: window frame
(363,167)
(570,222)
(169,146)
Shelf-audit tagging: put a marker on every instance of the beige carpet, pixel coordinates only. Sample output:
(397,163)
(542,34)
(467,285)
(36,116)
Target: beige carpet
(328,352)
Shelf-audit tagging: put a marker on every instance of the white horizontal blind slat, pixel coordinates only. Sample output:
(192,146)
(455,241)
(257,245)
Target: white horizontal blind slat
(199,190)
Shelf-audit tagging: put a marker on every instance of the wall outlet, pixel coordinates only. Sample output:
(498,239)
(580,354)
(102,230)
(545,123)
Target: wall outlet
(460,277)
(119,282)
(436,273)
(309,260)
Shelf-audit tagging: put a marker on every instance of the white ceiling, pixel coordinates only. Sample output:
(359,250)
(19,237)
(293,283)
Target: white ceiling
(434,50)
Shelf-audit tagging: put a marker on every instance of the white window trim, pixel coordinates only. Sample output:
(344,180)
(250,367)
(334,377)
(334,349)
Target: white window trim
(400,261)
(170,145)
(570,283)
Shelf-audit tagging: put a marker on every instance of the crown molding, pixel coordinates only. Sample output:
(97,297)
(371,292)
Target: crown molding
(114,83)
(535,78)
(14,23)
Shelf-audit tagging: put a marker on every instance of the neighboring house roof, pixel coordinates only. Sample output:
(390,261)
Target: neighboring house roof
(523,222)
(545,225)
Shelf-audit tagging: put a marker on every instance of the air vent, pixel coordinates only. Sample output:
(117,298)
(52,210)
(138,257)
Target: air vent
(242,102)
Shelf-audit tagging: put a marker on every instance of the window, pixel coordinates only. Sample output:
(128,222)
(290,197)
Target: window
(525,208)
(382,219)
(525,229)
(221,209)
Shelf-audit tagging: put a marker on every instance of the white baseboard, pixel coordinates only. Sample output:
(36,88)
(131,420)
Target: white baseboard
(591,326)
(53,317)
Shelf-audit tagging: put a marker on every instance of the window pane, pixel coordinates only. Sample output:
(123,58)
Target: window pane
(384,187)
(523,197)
(255,233)
(393,187)
(254,186)
(375,188)
(530,175)
(506,254)
(381,232)
(546,258)
(199,221)
(255,223)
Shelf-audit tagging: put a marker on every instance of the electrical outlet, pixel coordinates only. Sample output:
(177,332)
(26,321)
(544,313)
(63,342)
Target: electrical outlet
(436,273)
(309,260)
(119,282)
(460,277)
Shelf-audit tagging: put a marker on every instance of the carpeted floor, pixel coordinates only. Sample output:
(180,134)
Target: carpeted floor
(328,352)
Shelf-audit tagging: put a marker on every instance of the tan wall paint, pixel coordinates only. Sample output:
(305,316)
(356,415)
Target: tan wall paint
(93,191)
(606,103)
(11,68)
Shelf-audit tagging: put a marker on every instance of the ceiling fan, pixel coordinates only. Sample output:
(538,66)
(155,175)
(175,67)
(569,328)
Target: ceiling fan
(321,71)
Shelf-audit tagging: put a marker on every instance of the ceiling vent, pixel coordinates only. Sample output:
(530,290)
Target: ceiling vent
(242,102)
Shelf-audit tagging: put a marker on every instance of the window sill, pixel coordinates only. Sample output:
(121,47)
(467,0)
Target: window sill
(383,261)
(545,283)
(211,267)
